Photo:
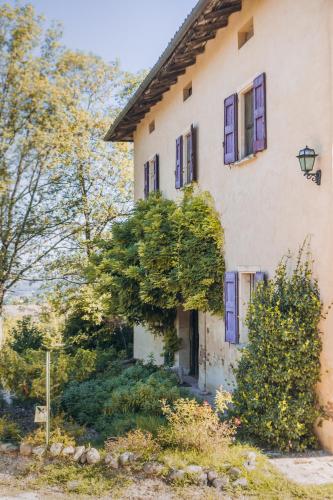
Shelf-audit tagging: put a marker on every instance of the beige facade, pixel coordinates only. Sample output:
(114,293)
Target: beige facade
(267,206)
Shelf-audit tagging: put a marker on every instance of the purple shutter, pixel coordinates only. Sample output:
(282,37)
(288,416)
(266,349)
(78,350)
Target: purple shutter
(179,162)
(259,113)
(146,179)
(231,307)
(193,156)
(231,129)
(259,277)
(156,173)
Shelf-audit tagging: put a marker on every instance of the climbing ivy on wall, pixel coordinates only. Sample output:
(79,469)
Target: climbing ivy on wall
(165,255)
(279,369)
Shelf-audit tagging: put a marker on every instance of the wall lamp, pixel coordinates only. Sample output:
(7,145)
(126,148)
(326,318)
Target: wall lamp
(307,158)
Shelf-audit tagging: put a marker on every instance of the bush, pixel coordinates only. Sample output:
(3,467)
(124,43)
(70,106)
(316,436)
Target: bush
(122,402)
(275,396)
(139,442)
(9,431)
(87,334)
(108,426)
(194,426)
(26,335)
(24,374)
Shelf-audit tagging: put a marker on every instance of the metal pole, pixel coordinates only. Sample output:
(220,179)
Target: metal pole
(48,362)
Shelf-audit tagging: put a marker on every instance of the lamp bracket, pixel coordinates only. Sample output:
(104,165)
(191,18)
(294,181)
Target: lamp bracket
(315,177)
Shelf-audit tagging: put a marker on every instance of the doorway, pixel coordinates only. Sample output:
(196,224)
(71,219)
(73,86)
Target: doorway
(194,343)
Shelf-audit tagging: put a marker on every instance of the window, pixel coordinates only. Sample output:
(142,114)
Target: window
(238,292)
(248,123)
(151,126)
(245,122)
(185,172)
(187,91)
(151,176)
(187,159)
(245,33)
(246,288)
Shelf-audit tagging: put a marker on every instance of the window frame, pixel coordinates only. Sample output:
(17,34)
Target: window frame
(186,134)
(242,304)
(241,92)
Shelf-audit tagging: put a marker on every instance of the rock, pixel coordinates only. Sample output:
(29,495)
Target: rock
(242,482)
(93,456)
(176,475)
(68,451)
(55,449)
(251,456)
(249,465)
(126,457)
(211,475)
(111,461)
(25,449)
(153,468)
(193,469)
(11,448)
(39,451)
(83,458)
(79,450)
(220,483)
(5,447)
(235,472)
(201,479)
(73,485)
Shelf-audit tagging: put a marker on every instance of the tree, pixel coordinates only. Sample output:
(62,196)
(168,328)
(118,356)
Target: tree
(26,335)
(165,255)
(61,185)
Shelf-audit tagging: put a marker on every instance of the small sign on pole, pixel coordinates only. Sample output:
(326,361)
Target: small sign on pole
(41,414)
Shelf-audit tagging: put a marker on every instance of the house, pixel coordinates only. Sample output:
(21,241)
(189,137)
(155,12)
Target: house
(242,87)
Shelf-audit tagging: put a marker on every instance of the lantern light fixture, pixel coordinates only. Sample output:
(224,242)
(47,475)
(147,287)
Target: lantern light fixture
(307,158)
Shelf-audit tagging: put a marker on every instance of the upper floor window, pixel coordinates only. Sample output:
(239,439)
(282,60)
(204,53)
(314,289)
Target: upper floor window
(245,33)
(245,122)
(151,176)
(151,126)
(186,171)
(187,91)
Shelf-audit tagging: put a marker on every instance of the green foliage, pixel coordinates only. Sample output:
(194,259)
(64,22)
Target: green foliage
(194,426)
(25,335)
(275,396)
(164,256)
(127,400)
(9,431)
(87,334)
(24,374)
(119,425)
(140,442)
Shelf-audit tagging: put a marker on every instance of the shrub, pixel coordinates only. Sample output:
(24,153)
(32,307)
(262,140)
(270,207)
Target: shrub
(275,397)
(24,374)
(26,335)
(119,425)
(139,442)
(144,396)
(194,426)
(9,431)
(137,389)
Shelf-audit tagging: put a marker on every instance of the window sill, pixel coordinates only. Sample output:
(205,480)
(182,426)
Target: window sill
(245,160)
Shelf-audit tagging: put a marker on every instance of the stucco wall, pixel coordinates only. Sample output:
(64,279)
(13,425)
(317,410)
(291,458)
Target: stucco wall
(267,207)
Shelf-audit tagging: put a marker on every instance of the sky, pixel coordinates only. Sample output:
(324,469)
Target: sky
(135,31)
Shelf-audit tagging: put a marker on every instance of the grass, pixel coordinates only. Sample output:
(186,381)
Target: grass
(265,482)
(92,480)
